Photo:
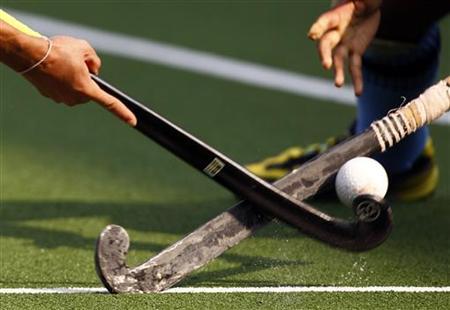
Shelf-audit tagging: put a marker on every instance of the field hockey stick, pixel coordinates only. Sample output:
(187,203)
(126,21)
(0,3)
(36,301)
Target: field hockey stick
(340,233)
(239,222)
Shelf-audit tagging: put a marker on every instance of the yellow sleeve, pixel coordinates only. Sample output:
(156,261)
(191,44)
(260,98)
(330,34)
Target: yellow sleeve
(17,24)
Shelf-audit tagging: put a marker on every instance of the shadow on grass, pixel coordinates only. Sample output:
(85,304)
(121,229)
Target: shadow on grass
(43,222)
(420,228)
(36,222)
(421,221)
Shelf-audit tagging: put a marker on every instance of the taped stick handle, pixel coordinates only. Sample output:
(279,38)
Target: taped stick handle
(423,110)
(318,173)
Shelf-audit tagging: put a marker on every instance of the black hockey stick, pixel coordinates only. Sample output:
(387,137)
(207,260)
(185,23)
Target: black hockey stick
(229,228)
(336,232)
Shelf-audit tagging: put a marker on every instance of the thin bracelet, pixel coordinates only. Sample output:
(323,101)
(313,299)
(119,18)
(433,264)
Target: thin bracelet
(49,49)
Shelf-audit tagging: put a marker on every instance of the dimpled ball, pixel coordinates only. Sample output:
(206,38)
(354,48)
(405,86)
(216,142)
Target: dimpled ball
(361,176)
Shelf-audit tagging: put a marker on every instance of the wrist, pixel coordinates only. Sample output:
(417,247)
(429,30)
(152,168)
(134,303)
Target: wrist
(22,51)
(366,7)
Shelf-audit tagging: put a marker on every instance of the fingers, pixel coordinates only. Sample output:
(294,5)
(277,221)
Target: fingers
(355,67)
(333,54)
(93,63)
(113,104)
(356,73)
(336,18)
(92,60)
(66,77)
(109,102)
(339,57)
(326,46)
(324,23)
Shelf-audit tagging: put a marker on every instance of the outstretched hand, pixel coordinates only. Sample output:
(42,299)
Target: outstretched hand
(343,33)
(65,76)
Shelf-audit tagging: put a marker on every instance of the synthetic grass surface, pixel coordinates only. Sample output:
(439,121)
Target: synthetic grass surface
(236,301)
(66,173)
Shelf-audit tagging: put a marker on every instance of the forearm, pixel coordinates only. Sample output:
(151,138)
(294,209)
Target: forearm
(18,50)
(409,20)
(362,6)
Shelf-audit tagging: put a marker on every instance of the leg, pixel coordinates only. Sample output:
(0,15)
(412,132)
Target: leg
(394,72)
(402,61)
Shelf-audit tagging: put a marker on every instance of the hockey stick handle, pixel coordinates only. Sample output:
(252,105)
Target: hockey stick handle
(316,174)
(423,110)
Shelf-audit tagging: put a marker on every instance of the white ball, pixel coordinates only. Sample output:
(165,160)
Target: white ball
(361,176)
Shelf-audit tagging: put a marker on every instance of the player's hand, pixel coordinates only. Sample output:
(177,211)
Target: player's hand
(343,34)
(65,76)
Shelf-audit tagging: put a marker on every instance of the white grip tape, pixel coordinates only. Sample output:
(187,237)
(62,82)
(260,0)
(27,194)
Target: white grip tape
(432,104)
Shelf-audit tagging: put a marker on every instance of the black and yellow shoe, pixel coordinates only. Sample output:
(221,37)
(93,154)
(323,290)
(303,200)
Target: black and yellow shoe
(417,183)
(420,181)
(276,167)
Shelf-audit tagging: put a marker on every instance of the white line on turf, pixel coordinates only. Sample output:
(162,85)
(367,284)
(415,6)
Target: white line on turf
(53,290)
(196,61)
(278,289)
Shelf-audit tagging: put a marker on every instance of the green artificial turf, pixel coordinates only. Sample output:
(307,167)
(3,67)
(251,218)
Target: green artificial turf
(66,173)
(320,301)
